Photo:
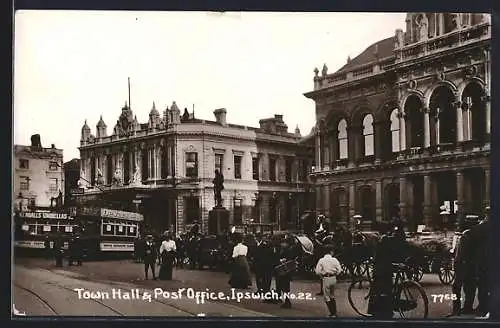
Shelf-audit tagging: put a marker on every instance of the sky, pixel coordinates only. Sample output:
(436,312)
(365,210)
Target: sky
(72,66)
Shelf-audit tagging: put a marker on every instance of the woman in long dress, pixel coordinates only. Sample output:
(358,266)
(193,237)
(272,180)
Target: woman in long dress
(240,273)
(167,253)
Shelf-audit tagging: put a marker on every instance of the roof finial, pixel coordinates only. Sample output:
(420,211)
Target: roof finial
(348,59)
(154,107)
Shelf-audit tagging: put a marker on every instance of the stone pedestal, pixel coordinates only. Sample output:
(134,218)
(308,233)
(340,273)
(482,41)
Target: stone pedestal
(218,220)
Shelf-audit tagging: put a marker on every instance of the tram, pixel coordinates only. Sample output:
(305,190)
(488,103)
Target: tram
(36,230)
(107,232)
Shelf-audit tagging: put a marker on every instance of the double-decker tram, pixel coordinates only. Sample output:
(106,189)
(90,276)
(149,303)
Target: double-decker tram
(107,232)
(36,231)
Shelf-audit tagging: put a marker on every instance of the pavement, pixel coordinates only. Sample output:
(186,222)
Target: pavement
(101,289)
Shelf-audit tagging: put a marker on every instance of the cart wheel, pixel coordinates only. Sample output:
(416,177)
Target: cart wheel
(446,275)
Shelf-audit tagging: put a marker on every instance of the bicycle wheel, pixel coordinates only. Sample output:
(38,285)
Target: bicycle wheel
(358,295)
(410,300)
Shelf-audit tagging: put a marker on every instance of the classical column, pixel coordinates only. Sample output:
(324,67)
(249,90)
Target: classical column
(403,203)
(379,212)
(325,148)
(427,210)
(326,200)
(353,143)
(460,197)
(319,199)
(334,146)
(427,129)
(402,130)
(460,121)
(487,186)
(379,130)
(318,151)
(150,170)
(488,116)
(352,201)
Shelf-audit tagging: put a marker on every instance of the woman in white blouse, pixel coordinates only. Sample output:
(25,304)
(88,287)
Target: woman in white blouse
(240,274)
(167,254)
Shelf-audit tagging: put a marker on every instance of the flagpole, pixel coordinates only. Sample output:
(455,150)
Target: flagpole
(129,104)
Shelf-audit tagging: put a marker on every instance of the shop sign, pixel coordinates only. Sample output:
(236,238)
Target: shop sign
(117,247)
(29,244)
(115,214)
(40,215)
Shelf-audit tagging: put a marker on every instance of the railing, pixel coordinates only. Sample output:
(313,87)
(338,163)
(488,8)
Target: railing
(444,42)
(360,72)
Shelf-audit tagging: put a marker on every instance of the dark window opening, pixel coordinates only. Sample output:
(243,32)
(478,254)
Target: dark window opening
(237,167)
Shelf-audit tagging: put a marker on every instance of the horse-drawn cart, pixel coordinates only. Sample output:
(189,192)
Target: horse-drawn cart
(430,254)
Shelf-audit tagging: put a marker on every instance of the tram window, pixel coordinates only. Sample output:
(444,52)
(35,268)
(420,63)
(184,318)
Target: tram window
(108,229)
(120,230)
(131,231)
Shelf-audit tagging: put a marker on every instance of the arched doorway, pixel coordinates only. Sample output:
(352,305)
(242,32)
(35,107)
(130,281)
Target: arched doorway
(391,201)
(366,204)
(474,113)
(414,122)
(441,103)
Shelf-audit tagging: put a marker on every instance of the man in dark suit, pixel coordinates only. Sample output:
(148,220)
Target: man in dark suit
(258,265)
(480,261)
(150,256)
(464,270)
(283,281)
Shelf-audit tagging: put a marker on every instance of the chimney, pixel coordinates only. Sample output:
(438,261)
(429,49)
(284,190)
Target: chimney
(35,141)
(220,116)
(278,117)
(53,146)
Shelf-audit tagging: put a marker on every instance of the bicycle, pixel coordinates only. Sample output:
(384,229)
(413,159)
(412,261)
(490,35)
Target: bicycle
(403,300)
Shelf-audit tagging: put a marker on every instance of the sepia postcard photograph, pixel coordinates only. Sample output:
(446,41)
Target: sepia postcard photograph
(251,164)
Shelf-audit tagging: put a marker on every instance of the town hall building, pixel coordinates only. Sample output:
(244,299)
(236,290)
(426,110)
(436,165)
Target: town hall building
(403,129)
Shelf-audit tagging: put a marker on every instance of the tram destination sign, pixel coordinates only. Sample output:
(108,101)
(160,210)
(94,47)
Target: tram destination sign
(40,215)
(115,214)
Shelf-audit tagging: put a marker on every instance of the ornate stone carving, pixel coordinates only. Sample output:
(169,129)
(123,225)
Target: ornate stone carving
(316,72)
(100,178)
(136,177)
(399,39)
(440,76)
(470,71)
(423,27)
(412,84)
(124,126)
(117,177)
(324,71)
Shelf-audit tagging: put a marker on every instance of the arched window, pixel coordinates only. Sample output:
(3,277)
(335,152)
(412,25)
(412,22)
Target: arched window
(395,131)
(342,138)
(368,135)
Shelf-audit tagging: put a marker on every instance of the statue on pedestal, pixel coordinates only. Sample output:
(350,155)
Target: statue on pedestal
(100,178)
(136,178)
(218,187)
(423,27)
(117,177)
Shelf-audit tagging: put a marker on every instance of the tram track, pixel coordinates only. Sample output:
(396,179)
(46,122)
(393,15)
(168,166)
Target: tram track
(38,297)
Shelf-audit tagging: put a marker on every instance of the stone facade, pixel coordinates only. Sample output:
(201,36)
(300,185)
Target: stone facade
(38,175)
(164,168)
(404,127)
